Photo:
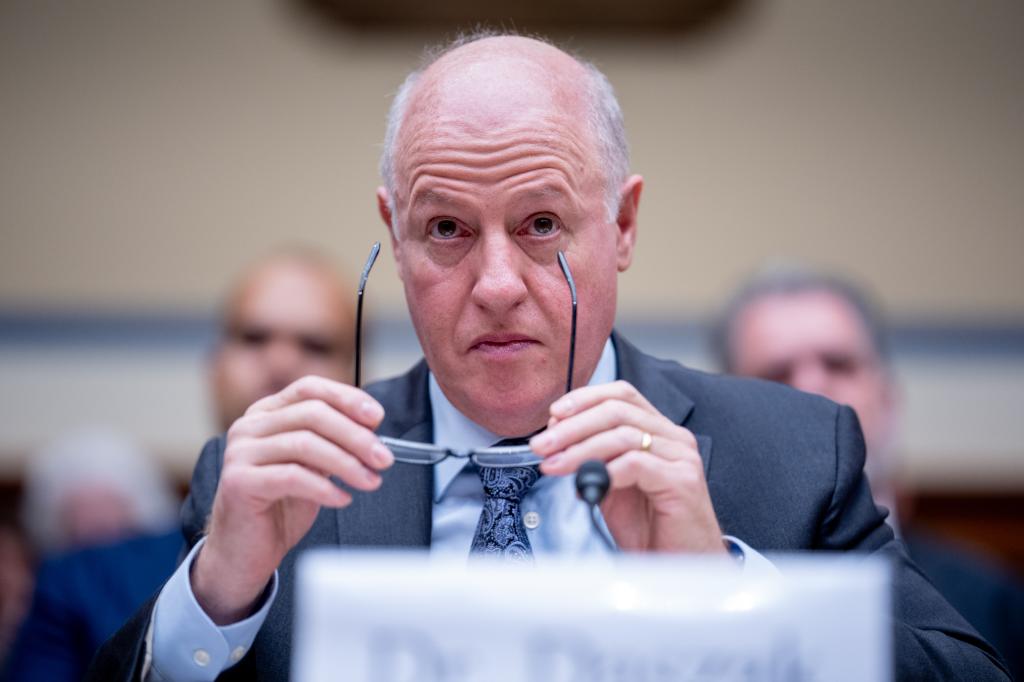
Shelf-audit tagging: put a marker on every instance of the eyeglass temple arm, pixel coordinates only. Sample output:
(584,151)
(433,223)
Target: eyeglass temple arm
(371,259)
(564,264)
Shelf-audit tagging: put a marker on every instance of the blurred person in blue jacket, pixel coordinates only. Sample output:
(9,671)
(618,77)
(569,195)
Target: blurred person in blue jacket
(101,515)
(99,509)
(823,335)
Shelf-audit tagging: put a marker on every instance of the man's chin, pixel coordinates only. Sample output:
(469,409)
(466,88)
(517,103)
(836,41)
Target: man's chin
(509,413)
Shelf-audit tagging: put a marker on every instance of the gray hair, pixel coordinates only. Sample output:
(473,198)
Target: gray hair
(95,455)
(604,117)
(789,281)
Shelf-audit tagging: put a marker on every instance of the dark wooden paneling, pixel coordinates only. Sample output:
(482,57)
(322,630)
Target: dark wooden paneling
(550,16)
(990,522)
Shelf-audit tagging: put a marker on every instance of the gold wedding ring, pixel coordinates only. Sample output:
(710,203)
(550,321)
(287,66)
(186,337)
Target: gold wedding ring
(645,441)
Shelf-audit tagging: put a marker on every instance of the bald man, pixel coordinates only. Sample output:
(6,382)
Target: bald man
(500,154)
(288,316)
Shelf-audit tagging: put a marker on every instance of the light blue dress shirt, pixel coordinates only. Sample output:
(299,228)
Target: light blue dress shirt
(557,522)
(184,644)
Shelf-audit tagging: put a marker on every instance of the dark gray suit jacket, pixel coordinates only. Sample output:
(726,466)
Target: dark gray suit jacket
(785,473)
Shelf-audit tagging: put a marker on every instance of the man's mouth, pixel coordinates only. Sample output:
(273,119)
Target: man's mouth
(501,344)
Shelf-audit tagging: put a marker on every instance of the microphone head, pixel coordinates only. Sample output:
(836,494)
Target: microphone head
(592,481)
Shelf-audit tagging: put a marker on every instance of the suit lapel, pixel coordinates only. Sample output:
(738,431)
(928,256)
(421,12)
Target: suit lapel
(654,379)
(399,513)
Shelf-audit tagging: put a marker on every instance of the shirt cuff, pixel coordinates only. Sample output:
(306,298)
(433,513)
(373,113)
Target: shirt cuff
(749,559)
(186,644)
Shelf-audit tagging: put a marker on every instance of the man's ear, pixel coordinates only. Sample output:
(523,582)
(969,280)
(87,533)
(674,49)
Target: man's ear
(384,208)
(626,220)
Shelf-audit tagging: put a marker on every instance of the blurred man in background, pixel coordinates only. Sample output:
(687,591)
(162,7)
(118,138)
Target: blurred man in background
(288,316)
(822,335)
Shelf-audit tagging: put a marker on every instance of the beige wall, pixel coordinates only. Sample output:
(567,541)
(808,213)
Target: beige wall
(149,149)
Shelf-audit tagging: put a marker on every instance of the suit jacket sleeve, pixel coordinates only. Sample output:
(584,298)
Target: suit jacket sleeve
(931,639)
(121,657)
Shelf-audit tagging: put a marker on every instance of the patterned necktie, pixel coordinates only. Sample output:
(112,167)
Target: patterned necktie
(500,531)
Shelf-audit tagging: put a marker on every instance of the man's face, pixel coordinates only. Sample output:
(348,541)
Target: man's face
(96,513)
(287,320)
(495,178)
(815,342)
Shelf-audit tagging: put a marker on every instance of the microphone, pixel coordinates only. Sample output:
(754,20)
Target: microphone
(592,483)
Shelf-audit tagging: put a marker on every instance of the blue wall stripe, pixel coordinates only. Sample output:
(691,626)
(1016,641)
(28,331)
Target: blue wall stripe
(191,332)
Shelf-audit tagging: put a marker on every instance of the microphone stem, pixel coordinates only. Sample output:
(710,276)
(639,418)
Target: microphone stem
(600,530)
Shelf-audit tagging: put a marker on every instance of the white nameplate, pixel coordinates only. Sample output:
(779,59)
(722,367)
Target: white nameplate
(397,617)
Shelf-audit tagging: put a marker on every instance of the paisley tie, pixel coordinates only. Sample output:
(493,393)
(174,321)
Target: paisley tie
(500,531)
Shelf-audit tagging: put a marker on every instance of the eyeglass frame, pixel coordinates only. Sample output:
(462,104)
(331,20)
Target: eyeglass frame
(498,456)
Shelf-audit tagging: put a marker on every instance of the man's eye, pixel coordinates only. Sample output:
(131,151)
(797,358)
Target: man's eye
(542,225)
(251,337)
(840,364)
(314,345)
(445,228)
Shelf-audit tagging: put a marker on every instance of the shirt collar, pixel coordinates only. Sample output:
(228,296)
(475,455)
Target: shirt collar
(457,431)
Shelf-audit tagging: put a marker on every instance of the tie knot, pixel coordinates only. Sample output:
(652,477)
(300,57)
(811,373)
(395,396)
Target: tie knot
(509,483)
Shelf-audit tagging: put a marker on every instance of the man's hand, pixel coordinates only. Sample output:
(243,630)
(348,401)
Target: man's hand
(658,499)
(274,481)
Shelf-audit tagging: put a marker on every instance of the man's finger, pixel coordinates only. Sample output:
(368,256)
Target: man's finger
(605,416)
(678,495)
(321,418)
(279,481)
(586,397)
(651,475)
(609,445)
(356,403)
(309,450)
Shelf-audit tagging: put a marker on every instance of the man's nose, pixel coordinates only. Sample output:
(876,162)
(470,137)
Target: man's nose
(284,361)
(811,376)
(499,285)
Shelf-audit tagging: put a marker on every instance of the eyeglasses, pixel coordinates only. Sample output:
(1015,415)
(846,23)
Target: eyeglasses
(499,456)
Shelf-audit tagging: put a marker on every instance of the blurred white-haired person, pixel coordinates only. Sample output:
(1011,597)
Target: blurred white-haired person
(94,486)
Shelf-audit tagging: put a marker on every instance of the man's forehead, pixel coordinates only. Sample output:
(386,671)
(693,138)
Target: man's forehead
(497,83)
(284,284)
(441,163)
(442,197)
(483,58)
(482,109)
(809,317)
